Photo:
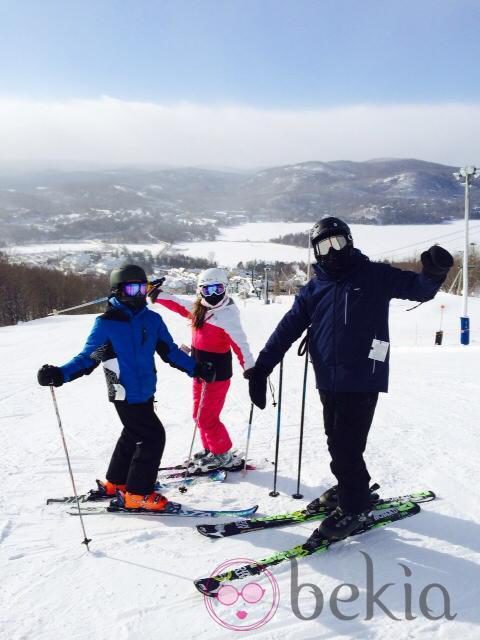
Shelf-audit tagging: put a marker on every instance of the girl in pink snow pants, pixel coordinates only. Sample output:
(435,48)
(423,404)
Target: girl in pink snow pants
(216,330)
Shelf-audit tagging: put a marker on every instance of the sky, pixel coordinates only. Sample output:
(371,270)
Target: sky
(238,83)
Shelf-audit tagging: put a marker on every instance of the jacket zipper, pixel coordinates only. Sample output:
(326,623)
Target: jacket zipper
(346,306)
(335,338)
(139,381)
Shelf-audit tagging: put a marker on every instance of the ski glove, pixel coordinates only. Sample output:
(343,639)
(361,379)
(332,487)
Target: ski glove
(155,287)
(436,261)
(49,374)
(205,371)
(257,385)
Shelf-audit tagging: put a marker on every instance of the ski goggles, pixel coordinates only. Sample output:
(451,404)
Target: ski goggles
(212,289)
(335,242)
(134,288)
(251,593)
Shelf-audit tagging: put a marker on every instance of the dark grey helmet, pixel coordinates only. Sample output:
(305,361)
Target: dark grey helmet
(127,273)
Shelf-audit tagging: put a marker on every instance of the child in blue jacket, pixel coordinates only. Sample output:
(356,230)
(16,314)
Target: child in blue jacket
(124,339)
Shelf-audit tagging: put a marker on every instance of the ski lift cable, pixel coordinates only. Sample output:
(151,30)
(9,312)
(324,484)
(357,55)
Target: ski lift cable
(460,232)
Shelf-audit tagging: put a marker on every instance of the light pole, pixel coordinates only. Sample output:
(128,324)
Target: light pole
(468,174)
(267,269)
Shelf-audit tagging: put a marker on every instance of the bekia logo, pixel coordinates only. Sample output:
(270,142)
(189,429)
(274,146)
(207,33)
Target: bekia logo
(245,607)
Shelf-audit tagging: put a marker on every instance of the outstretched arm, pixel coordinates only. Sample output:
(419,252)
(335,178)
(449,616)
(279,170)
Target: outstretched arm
(175,303)
(90,356)
(423,286)
(171,352)
(289,329)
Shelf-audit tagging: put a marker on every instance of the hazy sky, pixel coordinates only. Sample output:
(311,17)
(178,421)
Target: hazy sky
(239,82)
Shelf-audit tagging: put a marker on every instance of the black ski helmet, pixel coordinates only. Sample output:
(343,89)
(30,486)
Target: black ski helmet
(127,273)
(335,262)
(330,227)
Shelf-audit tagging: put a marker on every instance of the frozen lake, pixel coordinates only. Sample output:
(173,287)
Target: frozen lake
(251,242)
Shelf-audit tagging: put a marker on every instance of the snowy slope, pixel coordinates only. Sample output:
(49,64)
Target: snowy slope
(137,580)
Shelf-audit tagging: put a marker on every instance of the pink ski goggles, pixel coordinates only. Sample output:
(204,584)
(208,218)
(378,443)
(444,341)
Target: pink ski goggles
(251,593)
(134,289)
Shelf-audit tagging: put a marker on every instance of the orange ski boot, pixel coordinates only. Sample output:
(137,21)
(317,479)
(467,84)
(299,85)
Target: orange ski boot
(152,501)
(109,488)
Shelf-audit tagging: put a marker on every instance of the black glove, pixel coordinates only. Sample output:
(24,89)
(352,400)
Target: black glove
(49,374)
(436,261)
(257,385)
(154,288)
(205,371)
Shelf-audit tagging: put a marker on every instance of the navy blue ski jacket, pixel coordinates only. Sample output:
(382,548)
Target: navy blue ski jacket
(125,342)
(344,317)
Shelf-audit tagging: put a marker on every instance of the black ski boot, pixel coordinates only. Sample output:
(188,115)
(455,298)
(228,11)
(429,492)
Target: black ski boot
(329,499)
(338,525)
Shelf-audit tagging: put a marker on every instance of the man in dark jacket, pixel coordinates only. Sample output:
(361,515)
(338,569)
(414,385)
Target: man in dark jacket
(345,308)
(124,339)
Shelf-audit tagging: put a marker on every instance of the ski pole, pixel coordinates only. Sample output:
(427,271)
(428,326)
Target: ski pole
(244,471)
(183,488)
(272,391)
(302,350)
(274,493)
(85,539)
(55,312)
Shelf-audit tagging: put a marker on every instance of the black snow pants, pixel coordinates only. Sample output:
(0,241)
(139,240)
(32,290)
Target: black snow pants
(347,418)
(139,449)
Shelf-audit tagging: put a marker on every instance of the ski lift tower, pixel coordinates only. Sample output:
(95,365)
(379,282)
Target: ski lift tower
(468,174)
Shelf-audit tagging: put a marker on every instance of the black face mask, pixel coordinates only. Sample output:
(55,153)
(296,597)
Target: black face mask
(132,302)
(214,299)
(337,262)
(138,302)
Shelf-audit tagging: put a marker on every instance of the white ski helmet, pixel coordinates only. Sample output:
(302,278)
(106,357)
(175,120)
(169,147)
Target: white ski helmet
(212,276)
(212,287)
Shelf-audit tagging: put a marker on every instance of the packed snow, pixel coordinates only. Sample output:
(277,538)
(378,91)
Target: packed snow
(136,582)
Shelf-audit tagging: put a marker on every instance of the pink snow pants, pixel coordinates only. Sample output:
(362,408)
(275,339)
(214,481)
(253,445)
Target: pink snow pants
(213,432)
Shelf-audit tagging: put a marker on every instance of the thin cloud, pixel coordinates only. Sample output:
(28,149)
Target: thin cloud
(110,131)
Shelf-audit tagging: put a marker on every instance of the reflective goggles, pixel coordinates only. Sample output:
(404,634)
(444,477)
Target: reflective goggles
(212,289)
(335,242)
(134,289)
(251,593)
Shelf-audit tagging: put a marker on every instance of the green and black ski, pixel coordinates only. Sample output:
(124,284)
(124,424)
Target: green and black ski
(295,517)
(382,516)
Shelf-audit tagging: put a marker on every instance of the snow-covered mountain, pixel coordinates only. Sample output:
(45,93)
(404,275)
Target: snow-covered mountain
(183,204)
(136,582)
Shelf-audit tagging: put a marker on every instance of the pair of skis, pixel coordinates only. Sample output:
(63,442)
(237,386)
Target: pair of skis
(384,512)
(173,480)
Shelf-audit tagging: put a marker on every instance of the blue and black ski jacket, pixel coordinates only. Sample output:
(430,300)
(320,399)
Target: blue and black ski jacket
(345,317)
(125,342)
